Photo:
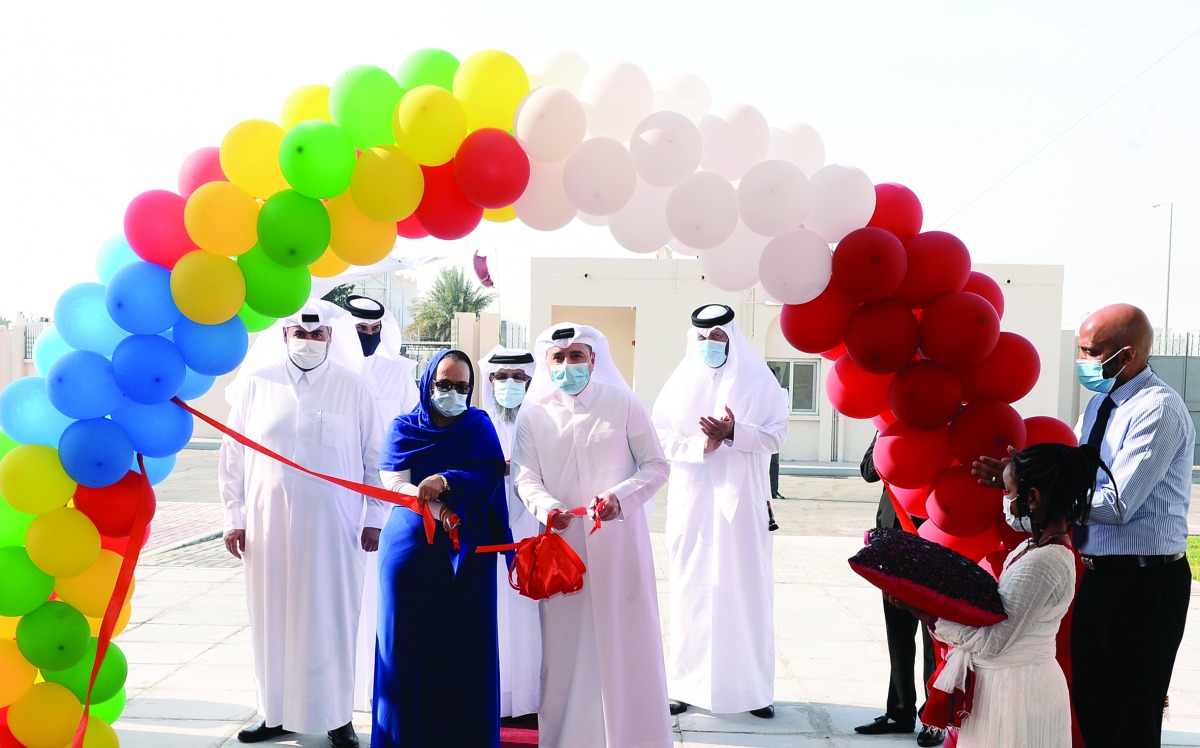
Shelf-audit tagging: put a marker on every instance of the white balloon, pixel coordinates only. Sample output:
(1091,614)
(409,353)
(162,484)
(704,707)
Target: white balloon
(599,177)
(666,148)
(641,226)
(683,93)
(562,68)
(800,144)
(550,124)
(736,137)
(702,211)
(795,267)
(591,220)
(544,205)
(774,197)
(616,97)
(843,199)
(733,264)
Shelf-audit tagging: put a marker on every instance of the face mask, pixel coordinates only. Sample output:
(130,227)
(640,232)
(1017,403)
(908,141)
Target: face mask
(448,403)
(509,394)
(369,342)
(1020,524)
(570,378)
(307,354)
(1091,374)
(713,353)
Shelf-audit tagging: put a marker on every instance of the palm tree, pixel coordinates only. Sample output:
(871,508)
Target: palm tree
(433,313)
(4,321)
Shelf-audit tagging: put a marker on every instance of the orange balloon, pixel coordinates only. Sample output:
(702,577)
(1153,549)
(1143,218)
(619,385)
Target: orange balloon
(45,716)
(90,591)
(386,184)
(355,238)
(222,218)
(328,265)
(122,620)
(16,672)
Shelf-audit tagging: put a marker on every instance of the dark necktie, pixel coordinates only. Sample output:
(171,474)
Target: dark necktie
(1095,436)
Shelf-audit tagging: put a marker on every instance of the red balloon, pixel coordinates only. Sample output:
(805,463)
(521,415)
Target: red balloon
(201,167)
(898,210)
(492,168)
(959,329)
(112,508)
(854,392)
(1007,374)
(1042,429)
(444,211)
(959,505)
(912,500)
(154,227)
(982,284)
(974,547)
(882,337)
(925,395)
(834,353)
(938,264)
(884,419)
(1009,537)
(869,264)
(411,228)
(7,739)
(993,563)
(817,325)
(985,428)
(909,458)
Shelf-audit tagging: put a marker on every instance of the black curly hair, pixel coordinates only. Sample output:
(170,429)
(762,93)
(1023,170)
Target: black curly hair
(1064,475)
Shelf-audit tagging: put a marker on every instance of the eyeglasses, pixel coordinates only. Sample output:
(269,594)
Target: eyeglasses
(515,377)
(445,385)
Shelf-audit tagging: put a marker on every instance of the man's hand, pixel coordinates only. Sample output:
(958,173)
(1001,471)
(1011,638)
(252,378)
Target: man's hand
(235,542)
(370,539)
(429,489)
(923,616)
(562,521)
(604,507)
(507,466)
(990,471)
(718,429)
(711,445)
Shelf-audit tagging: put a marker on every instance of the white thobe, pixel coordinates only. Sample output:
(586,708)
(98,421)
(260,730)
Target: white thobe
(603,683)
(722,612)
(517,620)
(303,557)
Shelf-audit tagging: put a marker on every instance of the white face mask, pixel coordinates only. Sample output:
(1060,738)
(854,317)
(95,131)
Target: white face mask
(448,403)
(307,354)
(509,394)
(1020,524)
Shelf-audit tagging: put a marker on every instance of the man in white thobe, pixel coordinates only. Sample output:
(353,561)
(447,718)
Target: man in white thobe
(720,417)
(584,440)
(302,538)
(508,372)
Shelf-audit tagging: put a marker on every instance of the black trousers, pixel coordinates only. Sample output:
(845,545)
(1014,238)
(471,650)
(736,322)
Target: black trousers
(902,629)
(774,474)
(1125,631)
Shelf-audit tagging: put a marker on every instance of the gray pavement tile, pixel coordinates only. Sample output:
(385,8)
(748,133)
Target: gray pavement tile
(178,633)
(165,703)
(790,719)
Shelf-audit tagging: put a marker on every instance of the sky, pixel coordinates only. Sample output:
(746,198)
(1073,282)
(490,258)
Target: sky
(1036,132)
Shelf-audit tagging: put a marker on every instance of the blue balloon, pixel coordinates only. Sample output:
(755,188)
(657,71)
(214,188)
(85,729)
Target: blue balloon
(27,415)
(155,430)
(82,320)
(81,384)
(47,349)
(212,349)
(195,385)
(114,254)
(157,468)
(95,452)
(138,298)
(148,368)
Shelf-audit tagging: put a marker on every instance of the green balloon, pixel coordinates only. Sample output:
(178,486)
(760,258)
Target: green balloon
(25,586)
(13,524)
(109,710)
(109,680)
(293,229)
(54,636)
(317,159)
(362,101)
(273,289)
(254,321)
(428,67)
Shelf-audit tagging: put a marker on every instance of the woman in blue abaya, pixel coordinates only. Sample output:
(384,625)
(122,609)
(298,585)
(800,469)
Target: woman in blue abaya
(437,680)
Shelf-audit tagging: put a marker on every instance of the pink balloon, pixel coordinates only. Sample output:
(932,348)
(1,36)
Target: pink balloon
(909,458)
(154,227)
(201,167)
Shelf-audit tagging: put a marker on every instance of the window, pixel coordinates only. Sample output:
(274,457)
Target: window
(799,378)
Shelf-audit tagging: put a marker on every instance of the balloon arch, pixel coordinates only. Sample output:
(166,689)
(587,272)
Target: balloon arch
(433,150)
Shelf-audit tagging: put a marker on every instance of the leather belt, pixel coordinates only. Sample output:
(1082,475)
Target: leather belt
(1104,563)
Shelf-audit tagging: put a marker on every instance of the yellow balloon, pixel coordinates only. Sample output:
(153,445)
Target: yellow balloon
(208,289)
(99,734)
(490,84)
(62,542)
(89,592)
(386,184)
(307,102)
(8,627)
(222,218)
(119,626)
(33,481)
(16,672)
(328,265)
(500,215)
(429,125)
(46,716)
(250,157)
(355,238)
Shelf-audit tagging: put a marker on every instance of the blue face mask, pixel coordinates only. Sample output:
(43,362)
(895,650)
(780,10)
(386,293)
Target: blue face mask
(570,378)
(448,403)
(509,394)
(1091,374)
(713,353)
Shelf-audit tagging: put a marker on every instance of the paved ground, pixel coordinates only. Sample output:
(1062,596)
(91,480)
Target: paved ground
(191,679)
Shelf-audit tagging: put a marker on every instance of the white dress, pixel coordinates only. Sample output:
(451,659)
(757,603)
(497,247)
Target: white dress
(1021,697)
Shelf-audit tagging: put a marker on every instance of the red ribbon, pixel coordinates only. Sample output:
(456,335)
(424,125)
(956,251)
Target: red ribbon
(901,513)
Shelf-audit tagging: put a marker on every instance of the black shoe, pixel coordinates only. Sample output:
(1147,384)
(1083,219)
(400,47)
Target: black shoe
(767,712)
(261,732)
(931,737)
(778,496)
(884,725)
(676,707)
(771,526)
(344,737)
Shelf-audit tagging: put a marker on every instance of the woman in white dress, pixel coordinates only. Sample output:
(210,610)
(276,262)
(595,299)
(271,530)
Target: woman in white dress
(1020,695)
